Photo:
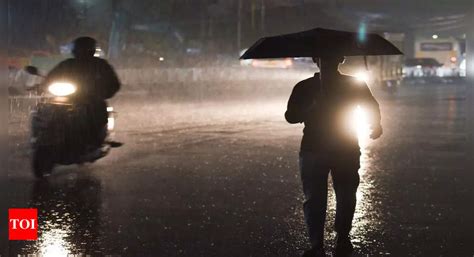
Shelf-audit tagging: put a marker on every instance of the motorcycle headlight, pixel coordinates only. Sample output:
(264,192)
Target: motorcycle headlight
(62,88)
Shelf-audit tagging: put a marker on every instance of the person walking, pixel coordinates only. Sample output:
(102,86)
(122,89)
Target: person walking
(324,103)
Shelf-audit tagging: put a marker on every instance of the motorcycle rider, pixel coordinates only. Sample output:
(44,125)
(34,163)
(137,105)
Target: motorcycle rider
(95,80)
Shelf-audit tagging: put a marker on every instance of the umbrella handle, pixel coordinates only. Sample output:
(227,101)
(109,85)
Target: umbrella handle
(320,80)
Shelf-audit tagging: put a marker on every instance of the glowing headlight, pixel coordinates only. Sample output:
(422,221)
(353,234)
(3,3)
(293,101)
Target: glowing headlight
(360,121)
(360,125)
(62,88)
(362,76)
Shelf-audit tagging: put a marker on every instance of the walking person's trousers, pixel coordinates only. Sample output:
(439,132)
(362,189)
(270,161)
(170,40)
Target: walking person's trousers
(314,170)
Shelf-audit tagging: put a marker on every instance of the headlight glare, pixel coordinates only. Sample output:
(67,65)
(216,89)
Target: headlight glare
(362,76)
(62,88)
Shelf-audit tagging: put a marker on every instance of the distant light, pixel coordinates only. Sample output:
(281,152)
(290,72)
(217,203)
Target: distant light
(418,66)
(98,52)
(110,119)
(161,59)
(453,59)
(435,36)
(362,32)
(110,123)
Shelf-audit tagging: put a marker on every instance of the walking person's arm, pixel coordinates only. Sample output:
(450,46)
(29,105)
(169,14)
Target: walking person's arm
(373,109)
(296,111)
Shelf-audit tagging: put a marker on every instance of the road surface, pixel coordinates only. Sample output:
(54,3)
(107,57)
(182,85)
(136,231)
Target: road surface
(220,178)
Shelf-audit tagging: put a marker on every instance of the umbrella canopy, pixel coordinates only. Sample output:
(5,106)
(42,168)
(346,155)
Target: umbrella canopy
(320,42)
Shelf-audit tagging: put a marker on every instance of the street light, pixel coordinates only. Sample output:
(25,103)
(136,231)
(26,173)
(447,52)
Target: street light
(435,36)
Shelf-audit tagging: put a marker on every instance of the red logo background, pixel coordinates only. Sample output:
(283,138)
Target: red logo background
(23,220)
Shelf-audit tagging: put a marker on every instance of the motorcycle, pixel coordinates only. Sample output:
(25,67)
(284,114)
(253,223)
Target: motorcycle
(62,130)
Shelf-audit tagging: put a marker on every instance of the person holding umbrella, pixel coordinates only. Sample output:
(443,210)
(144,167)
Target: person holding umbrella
(324,103)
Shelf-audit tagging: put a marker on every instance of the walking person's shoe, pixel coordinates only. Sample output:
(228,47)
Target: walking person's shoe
(344,247)
(315,252)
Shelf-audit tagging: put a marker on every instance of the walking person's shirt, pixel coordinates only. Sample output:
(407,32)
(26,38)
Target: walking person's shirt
(327,111)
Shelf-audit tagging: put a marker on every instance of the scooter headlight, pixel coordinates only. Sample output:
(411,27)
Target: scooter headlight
(62,88)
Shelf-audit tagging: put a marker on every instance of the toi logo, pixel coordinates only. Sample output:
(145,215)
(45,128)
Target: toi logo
(22,224)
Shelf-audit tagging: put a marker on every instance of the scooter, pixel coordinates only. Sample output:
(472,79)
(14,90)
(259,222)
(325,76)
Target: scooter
(61,129)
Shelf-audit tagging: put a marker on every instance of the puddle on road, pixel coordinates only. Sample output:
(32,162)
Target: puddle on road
(69,210)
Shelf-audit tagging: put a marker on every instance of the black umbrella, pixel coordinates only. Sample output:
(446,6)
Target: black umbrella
(320,42)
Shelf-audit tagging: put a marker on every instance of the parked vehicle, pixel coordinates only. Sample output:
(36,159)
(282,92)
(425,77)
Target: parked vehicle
(446,51)
(420,67)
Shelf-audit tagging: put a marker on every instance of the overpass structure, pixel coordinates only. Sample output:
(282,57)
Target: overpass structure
(453,18)
(391,15)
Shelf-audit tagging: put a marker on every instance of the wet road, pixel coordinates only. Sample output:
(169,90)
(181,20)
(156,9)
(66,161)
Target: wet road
(220,178)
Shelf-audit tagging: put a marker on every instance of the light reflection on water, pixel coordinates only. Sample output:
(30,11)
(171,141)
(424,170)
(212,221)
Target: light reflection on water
(363,221)
(68,216)
(52,243)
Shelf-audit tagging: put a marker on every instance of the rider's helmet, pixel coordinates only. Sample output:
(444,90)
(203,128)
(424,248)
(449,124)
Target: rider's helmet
(84,47)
